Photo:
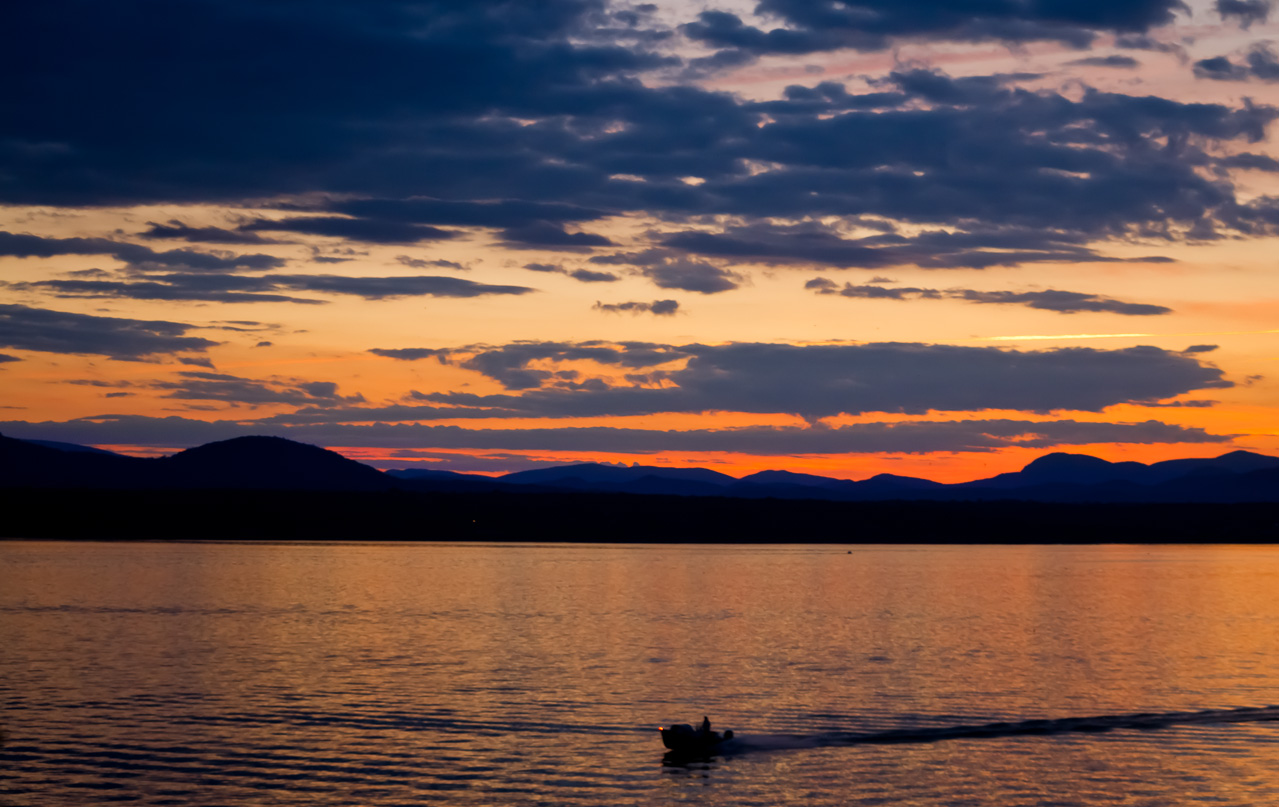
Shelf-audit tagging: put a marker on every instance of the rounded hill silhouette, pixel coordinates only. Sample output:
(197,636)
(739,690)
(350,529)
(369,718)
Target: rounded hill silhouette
(271,463)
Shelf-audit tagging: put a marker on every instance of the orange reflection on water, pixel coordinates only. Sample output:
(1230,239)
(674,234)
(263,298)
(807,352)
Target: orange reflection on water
(493,669)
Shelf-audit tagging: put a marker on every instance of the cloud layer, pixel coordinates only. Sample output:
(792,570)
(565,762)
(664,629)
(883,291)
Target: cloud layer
(463,150)
(816,381)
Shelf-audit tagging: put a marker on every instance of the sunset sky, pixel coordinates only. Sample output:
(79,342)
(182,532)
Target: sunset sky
(928,238)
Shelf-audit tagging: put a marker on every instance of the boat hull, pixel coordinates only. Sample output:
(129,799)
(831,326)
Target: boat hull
(683,739)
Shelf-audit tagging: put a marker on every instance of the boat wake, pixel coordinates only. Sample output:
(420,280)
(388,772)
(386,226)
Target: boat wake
(1142,721)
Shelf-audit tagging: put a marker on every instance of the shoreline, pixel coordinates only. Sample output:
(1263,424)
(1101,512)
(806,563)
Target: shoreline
(506,517)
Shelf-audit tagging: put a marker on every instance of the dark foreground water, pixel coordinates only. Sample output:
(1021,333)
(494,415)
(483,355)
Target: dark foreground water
(405,674)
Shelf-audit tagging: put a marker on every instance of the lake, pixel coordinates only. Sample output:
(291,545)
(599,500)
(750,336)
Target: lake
(462,674)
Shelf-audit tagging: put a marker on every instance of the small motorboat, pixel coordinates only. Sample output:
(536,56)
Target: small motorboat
(683,739)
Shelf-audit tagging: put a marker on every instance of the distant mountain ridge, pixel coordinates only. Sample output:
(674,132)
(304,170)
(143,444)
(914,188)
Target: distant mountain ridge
(244,463)
(272,463)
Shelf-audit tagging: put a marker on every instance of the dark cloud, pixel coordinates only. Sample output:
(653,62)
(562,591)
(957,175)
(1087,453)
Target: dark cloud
(547,124)
(587,276)
(373,231)
(552,121)
(96,382)
(661,308)
(1220,68)
(1063,302)
(876,24)
(939,88)
(812,243)
(422,263)
(1246,12)
(1261,63)
(48,331)
(175,229)
(136,256)
(394,413)
(385,288)
(510,364)
(689,275)
(648,257)
(822,285)
(772,244)
(264,289)
(462,213)
(1255,162)
(5,358)
(583,275)
(409,353)
(817,381)
(196,386)
(246,102)
(179,287)
(1114,60)
(1081,169)
(1150,43)
(545,235)
(1176,404)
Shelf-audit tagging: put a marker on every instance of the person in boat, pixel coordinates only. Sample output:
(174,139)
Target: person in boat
(704,731)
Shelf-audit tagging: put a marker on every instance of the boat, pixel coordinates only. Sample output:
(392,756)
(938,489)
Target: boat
(683,739)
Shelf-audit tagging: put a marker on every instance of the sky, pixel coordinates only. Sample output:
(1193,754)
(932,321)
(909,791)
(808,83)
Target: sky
(844,237)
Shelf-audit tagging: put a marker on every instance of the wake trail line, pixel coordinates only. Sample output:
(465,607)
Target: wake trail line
(1100,723)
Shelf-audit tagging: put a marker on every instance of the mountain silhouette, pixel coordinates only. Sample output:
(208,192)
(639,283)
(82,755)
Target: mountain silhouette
(31,465)
(243,463)
(270,488)
(1236,476)
(273,463)
(74,447)
(596,475)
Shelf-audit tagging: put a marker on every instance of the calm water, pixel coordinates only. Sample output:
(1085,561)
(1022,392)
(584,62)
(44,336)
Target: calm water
(258,674)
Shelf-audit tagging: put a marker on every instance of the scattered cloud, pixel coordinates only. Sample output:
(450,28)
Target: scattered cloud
(197,386)
(874,25)
(912,437)
(689,275)
(43,330)
(661,308)
(175,229)
(372,231)
(1062,302)
(1114,60)
(422,263)
(1246,12)
(587,276)
(267,288)
(816,381)
(136,256)
(544,235)
(409,353)
(1260,63)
